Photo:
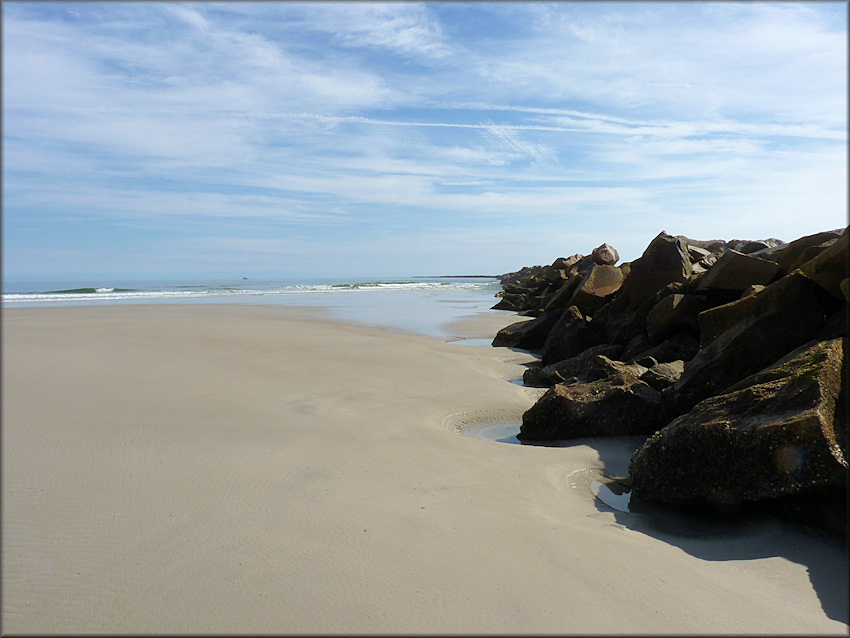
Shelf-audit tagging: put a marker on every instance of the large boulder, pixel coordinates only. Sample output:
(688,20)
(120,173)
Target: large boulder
(715,246)
(734,270)
(509,301)
(771,323)
(664,261)
(792,294)
(794,254)
(675,313)
(559,300)
(682,346)
(829,268)
(617,405)
(662,375)
(572,334)
(617,322)
(754,246)
(780,431)
(525,335)
(593,367)
(595,289)
(577,366)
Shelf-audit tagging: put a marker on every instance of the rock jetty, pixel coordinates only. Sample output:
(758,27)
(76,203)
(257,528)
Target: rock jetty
(728,355)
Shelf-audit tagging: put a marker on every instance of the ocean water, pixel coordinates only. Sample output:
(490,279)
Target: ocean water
(420,305)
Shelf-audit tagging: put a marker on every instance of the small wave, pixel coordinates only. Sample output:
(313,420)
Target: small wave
(81,291)
(377,284)
(195,291)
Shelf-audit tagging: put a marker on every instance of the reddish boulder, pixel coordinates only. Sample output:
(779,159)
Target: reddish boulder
(605,255)
(595,289)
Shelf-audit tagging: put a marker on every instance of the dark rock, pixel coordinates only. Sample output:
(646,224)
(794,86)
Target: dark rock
(524,273)
(830,267)
(681,346)
(664,261)
(619,322)
(835,326)
(571,335)
(697,254)
(565,263)
(735,271)
(662,375)
(739,244)
(636,347)
(555,276)
(510,301)
(605,255)
(526,335)
(615,406)
(776,433)
(789,294)
(646,362)
(559,300)
(675,313)
(767,326)
(715,246)
(598,367)
(535,377)
(582,265)
(579,366)
(751,290)
(751,247)
(789,256)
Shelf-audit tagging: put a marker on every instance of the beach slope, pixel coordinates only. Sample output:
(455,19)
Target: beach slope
(261,469)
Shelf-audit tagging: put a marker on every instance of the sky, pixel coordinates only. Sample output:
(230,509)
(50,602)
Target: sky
(335,139)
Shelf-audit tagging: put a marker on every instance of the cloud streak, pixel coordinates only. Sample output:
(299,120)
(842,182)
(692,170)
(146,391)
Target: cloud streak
(355,125)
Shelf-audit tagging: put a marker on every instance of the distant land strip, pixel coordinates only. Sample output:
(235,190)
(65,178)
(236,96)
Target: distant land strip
(457,276)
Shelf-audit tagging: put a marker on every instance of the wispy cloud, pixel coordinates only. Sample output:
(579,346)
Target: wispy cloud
(353,126)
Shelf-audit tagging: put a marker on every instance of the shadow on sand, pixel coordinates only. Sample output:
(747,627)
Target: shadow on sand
(748,532)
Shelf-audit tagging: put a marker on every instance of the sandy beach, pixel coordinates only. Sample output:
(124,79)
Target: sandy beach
(262,469)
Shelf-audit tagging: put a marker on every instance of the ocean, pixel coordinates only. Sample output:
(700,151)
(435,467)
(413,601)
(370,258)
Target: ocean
(419,305)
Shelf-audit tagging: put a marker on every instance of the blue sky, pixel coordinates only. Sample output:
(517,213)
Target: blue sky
(281,139)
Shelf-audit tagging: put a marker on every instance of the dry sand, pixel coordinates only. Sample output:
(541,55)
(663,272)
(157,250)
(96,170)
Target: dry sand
(245,469)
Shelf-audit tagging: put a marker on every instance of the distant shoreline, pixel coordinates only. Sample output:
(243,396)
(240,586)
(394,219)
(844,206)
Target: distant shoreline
(456,277)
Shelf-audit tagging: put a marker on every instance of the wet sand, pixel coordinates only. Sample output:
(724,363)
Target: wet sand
(262,469)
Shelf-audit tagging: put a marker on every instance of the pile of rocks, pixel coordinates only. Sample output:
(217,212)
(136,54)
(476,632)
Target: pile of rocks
(730,354)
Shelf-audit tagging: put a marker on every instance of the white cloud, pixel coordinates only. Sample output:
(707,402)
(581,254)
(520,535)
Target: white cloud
(566,120)
(404,28)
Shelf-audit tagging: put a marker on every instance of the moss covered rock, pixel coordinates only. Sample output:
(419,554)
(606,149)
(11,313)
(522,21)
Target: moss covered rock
(780,431)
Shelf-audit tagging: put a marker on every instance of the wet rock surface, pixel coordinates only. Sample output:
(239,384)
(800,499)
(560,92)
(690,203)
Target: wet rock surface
(731,354)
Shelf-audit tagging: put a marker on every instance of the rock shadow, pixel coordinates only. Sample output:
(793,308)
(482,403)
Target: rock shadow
(747,532)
